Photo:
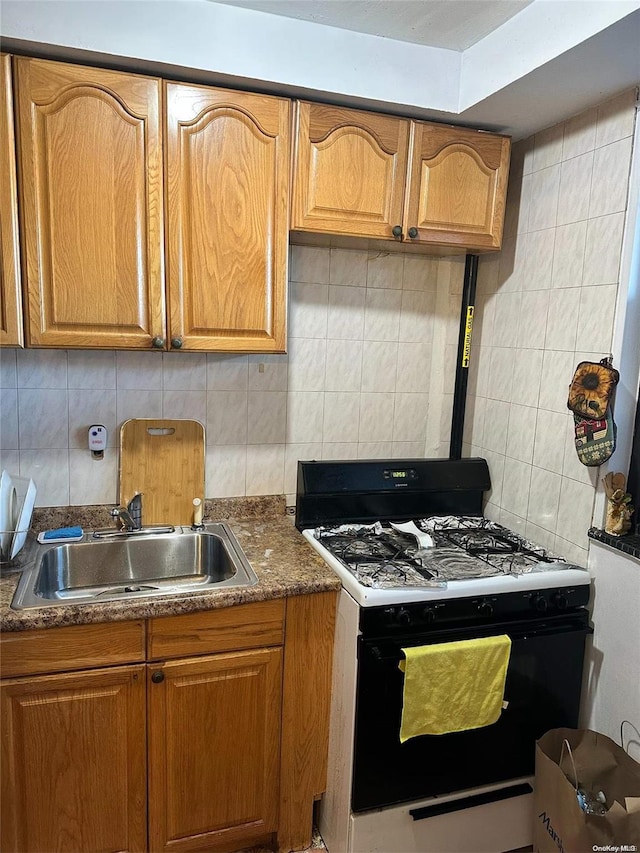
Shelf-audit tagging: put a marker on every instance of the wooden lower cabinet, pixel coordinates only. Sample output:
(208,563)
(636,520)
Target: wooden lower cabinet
(74,762)
(209,736)
(214,739)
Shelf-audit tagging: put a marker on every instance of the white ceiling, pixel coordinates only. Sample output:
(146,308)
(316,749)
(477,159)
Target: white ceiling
(452,24)
(529,63)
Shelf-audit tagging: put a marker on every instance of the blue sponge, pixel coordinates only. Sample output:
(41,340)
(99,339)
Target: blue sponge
(62,533)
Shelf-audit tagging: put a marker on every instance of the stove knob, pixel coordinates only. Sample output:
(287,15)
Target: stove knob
(540,603)
(429,614)
(403,617)
(560,600)
(485,608)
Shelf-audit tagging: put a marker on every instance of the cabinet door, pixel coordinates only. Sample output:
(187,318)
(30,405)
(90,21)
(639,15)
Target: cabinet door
(91,183)
(74,762)
(227,165)
(350,171)
(10,302)
(214,748)
(456,194)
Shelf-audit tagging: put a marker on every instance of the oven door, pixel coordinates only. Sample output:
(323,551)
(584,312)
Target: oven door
(542,688)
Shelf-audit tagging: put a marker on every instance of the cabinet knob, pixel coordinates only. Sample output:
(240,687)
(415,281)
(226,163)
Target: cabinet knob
(413,233)
(157,343)
(397,230)
(176,343)
(158,677)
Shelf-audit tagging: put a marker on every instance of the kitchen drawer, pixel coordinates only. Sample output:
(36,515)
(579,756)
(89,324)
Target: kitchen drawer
(245,626)
(76,647)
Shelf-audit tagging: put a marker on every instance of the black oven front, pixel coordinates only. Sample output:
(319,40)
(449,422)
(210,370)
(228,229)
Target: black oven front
(542,690)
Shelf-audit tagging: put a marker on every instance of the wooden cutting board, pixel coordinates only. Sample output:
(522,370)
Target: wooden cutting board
(164,460)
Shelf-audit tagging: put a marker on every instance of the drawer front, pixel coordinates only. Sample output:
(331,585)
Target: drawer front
(72,648)
(245,626)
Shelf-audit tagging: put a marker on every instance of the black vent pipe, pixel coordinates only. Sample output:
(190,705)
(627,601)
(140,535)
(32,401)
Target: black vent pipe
(464,355)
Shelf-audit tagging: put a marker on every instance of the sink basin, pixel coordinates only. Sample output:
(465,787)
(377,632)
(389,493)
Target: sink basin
(96,570)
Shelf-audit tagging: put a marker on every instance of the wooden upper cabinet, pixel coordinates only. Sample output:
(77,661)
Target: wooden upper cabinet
(362,174)
(10,299)
(457,187)
(91,182)
(227,191)
(350,171)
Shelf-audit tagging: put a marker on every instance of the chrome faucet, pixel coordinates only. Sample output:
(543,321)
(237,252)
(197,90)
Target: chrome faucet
(131,517)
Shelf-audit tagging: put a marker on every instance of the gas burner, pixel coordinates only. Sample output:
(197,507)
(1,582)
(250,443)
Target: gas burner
(378,557)
(466,548)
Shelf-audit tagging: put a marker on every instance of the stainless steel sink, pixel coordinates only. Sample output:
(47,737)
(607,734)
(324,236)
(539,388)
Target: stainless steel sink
(150,564)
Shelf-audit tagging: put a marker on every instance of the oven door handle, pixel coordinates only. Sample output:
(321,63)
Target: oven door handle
(383,651)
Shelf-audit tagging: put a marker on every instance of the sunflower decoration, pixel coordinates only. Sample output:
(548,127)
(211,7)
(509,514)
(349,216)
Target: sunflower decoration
(591,389)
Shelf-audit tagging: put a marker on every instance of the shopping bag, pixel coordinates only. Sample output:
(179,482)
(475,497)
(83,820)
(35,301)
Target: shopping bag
(574,766)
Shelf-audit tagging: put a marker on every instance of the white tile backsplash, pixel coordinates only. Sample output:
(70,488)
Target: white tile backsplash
(341,417)
(595,317)
(49,469)
(309,314)
(547,147)
(227,372)
(184,371)
(348,267)
(516,486)
(545,188)
(610,178)
(91,369)
(268,372)
(379,366)
(92,407)
(227,417)
(305,411)
(42,368)
(92,481)
(43,418)
(138,404)
(552,304)
(8,368)
(603,246)
(575,184)
(414,367)
(410,418)
(369,368)
(579,134)
(382,315)
(267,414)
(9,439)
(309,264)
(562,319)
(376,417)
(385,269)
(185,404)
(139,370)
(346,312)
(265,469)
(307,357)
(544,497)
(226,470)
(344,365)
(615,118)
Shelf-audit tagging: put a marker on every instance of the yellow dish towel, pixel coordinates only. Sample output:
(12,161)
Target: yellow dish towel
(452,687)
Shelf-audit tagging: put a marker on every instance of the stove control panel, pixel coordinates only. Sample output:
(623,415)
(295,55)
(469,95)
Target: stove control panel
(478,610)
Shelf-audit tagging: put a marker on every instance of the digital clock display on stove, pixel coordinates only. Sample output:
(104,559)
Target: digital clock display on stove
(399,474)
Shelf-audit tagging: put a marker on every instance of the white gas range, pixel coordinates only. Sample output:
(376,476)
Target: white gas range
(461,577)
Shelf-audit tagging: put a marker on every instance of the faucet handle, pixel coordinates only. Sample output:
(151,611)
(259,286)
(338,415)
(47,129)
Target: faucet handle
(134,508)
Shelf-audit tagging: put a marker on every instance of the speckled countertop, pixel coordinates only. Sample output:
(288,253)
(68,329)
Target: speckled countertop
(280,557)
